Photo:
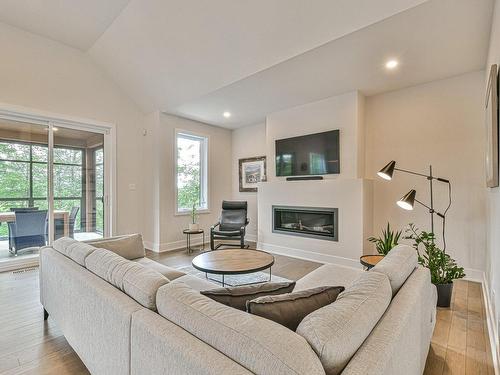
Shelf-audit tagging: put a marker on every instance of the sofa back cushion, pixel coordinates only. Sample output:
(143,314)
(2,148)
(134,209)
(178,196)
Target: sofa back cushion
(73,249)
(336,331)
(258,344)
(128,246)
(108,266)
(289,309)
(237,296)
(398,265)
(139,282)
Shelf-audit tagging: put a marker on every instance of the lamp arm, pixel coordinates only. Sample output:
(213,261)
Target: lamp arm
(423,175)
(430,209)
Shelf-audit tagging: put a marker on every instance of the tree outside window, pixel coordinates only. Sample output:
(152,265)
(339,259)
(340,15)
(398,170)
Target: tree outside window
(191,171)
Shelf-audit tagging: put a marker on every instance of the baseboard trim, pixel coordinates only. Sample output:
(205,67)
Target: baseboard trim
(492,325)
(172,246)
(181,244)
(309,255)
(472,274)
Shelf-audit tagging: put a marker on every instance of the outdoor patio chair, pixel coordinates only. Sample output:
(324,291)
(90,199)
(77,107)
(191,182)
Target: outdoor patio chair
(28,230)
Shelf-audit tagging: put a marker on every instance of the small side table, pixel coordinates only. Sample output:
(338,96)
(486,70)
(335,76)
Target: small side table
(188,234)
(369,261)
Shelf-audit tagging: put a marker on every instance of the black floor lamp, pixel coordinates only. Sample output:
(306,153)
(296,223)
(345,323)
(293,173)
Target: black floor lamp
(408,200)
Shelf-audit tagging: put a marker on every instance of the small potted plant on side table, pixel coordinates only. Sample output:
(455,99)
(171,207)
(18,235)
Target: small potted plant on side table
(193,225)
(387,241)
(444,269)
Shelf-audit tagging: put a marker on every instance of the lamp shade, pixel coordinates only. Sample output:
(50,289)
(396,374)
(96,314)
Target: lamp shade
(387,172)
(408,200)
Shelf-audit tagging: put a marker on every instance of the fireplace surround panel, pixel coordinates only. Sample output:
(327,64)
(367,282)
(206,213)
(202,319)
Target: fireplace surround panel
(312,222)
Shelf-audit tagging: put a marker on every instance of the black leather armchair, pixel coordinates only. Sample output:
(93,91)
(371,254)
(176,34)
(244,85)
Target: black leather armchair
(231,226)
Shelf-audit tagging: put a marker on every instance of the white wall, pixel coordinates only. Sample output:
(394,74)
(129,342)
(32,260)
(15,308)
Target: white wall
(44,75)
(161,215)
(352,197)
(342,112)
(247,142)
(439,123)
(493,195)
(346,190)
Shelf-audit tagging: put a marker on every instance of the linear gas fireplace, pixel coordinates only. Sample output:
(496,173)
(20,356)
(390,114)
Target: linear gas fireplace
(321,223)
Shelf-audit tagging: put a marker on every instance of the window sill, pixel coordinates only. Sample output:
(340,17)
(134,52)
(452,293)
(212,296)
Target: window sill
(188,213)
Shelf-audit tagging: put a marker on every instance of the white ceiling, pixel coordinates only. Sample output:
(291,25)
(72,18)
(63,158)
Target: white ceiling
(436,40)
(168,52)
(199,58)
(77,23)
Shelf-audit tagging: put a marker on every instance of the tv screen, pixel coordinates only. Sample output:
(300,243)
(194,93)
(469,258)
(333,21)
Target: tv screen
(313,154)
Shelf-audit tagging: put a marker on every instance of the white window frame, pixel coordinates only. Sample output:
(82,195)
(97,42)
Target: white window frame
(204,174)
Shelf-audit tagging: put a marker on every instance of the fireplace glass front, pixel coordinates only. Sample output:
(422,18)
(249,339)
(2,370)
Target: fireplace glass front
(314,222)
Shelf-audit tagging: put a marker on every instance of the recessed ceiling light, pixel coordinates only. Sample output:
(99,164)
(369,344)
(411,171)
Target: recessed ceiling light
(391,64)
(55,129)
(226,114)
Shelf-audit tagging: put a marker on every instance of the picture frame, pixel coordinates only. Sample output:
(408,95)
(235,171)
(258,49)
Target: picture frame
(251,172)
(491,108)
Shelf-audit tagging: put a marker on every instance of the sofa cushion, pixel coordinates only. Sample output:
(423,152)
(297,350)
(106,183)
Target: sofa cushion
(336,331)
(169,272)
(289,309)
(196,283)
(134,279)
(238,296)
(398,264)
(109,266)
(328,274)
(73,249)
(142,284)
(260,345)
(128,246)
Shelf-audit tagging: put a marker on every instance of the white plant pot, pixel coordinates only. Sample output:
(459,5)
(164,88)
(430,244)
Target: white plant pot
(194,227)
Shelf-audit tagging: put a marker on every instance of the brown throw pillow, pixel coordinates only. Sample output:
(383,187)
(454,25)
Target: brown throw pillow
(289,309)
(238,296)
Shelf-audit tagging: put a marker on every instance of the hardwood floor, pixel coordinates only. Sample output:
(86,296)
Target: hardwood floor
(460,344)
(30,345)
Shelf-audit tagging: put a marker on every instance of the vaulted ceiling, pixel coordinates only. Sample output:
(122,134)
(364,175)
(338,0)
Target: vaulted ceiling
(197,58)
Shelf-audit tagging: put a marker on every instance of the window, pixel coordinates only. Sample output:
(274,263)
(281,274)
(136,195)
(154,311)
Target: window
(191,171)
(23,178)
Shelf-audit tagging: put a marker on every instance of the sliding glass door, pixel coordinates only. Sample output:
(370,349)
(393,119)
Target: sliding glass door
(23,189)
(52,185)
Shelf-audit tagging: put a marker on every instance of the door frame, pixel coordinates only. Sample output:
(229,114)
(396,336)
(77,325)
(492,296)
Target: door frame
(49,119)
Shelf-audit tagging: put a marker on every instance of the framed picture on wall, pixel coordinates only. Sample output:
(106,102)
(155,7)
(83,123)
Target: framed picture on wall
(252,171)
(492,128)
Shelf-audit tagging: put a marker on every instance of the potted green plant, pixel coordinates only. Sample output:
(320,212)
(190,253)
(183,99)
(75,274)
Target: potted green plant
(387,241)
(444,269)
(193,225)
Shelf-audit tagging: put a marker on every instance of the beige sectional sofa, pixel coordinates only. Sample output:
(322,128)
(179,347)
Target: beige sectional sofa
(126,314)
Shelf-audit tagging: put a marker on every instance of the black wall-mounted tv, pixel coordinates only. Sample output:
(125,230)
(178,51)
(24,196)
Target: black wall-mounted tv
(313,154)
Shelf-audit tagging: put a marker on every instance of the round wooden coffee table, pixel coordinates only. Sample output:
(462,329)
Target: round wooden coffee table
(233,262)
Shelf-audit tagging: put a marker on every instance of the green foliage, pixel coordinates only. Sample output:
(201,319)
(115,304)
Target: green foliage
(444,269)
(188,178)
(387,241)
(188,193)
(15,179)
